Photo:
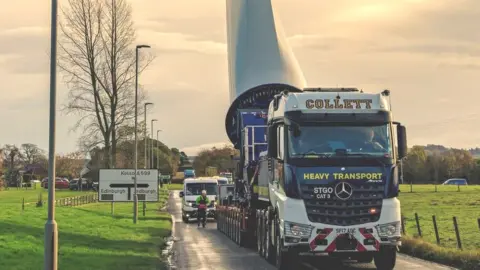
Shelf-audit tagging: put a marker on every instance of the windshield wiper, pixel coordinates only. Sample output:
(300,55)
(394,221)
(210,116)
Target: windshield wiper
(374,157)
(323,155)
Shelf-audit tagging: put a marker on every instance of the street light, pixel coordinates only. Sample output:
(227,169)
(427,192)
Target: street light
(156,144)
(51,230)
(151,145)
(146,136)
(135,198)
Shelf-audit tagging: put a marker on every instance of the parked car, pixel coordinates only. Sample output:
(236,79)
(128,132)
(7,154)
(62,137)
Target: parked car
(456,181)
(74,184)
(60,183)
(95,186)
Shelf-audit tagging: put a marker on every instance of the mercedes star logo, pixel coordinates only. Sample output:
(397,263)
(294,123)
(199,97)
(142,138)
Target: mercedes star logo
(343,191)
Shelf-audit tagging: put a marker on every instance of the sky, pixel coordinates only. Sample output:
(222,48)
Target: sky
(427,52)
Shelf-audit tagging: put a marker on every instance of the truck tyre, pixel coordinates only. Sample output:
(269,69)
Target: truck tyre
(264,233)
(283,259)
(269,247)
(184,218)
(259,234)
(385,258)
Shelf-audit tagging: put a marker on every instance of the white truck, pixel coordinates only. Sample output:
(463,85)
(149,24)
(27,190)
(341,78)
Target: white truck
(318,172)
(192,188)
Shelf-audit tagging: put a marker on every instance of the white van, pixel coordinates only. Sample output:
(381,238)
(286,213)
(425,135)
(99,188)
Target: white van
(192,188)
(222,180)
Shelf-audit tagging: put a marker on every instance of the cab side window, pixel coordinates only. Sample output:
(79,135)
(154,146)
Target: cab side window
(280,142)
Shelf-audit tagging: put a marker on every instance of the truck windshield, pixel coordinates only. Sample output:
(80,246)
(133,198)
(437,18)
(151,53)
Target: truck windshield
(196,188)
(349,140)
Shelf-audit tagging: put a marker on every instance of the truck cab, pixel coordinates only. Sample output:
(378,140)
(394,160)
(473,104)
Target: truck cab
(192,188)
(332,170)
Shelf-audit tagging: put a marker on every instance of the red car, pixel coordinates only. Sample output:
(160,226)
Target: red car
(60,183)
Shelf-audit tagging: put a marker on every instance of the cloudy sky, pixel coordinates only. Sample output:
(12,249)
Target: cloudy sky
(427,52)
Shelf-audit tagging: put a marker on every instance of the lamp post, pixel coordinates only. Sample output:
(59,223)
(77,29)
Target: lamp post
(151,144)
(158,160)
(145,134)
(51,230)
(135,198)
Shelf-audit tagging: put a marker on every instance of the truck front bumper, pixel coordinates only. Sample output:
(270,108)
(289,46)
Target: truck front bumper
(193,213)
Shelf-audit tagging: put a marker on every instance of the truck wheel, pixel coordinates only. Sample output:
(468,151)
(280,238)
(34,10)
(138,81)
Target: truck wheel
(283,259)
(385,258)
(269,248)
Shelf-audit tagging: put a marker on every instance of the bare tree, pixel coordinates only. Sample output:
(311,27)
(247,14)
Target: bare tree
(98,60)
(32,153)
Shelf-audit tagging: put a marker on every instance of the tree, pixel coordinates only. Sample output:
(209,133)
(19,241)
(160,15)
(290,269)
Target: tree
(32,154)
(415,169)
(216,157)
(12,156)
(69,165)
(98,60)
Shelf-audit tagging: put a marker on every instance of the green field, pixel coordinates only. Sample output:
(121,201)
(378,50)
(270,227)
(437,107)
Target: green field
(446,203)
(31,195)
(89,237)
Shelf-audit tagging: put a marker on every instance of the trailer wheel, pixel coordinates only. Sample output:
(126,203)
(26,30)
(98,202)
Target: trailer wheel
(237,228)
(385,258)
(259,234)
(224,222)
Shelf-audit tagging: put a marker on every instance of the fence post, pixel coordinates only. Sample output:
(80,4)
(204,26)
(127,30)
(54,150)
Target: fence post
(144,207)
(436,229)
(112,208)
(418,225)
(403,225)
(457,233)
(23,204)
(458,188)
(478,221)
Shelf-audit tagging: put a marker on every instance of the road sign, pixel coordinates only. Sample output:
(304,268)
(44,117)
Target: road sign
(117,185)
(165,177)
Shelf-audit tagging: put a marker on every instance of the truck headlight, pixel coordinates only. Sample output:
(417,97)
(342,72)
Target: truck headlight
(297,230)
(389,229)
(188,204)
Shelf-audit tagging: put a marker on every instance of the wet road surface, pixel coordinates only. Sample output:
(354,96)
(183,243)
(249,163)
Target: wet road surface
(207,248)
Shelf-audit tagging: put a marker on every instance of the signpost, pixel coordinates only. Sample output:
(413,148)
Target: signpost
(117,185)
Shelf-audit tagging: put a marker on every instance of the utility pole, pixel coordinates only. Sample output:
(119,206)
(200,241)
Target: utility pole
(158,160)
(135,197)
(51,229)
(145,134)
(151,144)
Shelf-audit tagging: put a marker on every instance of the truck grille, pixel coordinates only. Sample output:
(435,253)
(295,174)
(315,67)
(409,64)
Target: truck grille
(353,211)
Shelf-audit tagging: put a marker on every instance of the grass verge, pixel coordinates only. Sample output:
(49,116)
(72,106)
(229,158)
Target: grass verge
(89,236)
(174,186)
(464,260)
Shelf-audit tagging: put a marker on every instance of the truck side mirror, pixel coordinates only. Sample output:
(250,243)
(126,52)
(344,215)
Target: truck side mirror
(181,194)
(272,141)
(402,141)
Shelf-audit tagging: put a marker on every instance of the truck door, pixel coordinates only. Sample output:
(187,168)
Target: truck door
(276,168)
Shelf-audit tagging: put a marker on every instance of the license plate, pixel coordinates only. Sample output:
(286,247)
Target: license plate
(345,231)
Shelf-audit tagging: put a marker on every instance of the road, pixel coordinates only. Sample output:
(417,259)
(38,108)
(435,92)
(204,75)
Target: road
(207,248)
